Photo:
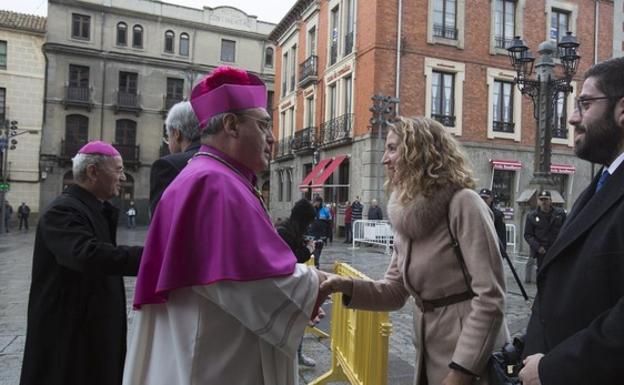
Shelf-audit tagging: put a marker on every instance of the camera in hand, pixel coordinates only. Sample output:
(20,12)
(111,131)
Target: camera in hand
(506,363)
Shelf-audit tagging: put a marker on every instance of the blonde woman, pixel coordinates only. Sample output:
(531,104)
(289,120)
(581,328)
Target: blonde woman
(459,295)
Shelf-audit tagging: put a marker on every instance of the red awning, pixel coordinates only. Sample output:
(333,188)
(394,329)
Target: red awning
(320,181)
(316,171)
(562,169)
(506,164)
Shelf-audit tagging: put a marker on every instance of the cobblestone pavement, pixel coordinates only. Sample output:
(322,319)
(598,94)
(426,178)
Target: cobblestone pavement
(15,265)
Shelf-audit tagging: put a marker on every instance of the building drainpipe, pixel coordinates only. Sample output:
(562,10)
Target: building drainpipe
(101,136)
(397,86)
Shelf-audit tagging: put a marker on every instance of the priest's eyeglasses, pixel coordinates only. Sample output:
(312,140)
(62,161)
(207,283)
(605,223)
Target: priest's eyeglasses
(265,125)
(583,104)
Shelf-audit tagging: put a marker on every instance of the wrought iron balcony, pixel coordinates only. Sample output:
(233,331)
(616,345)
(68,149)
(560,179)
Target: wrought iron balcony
(446,120)
(304,140)
(308,70)
(337,130)
(69,148)
(507,127)
(168,102)
(127,101)
(443,31)
(333,53)
(348,43)
(502,42)
(560,133)
(77,97)
(282,149)
(129,153)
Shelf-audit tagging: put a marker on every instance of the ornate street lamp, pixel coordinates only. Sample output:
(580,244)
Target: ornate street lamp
(544,91)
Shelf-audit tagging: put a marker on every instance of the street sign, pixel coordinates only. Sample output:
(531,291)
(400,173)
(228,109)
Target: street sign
(5,186)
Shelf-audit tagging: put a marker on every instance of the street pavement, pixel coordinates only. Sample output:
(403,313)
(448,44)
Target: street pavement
(15,271)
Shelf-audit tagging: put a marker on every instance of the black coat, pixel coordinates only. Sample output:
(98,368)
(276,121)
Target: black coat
(293,235)
(578,314)
(164,171)
(541,229)
(76,331)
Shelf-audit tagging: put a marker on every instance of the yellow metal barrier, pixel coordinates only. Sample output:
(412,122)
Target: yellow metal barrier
(359,341)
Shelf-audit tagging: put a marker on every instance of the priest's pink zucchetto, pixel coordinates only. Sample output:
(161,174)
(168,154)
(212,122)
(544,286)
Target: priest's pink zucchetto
(227,89)
(100,148)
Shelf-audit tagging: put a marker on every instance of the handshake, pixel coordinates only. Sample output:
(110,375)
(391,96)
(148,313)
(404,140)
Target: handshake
(330,283)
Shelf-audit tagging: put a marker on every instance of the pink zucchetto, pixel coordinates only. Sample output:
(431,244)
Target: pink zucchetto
(100,148)
(227,89)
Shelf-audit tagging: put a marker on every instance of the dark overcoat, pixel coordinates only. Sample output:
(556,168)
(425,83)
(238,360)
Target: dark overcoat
(578,314)
(76,331)
(164,171)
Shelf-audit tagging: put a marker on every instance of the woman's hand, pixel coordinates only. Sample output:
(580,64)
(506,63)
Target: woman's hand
(337,284)
(455,377)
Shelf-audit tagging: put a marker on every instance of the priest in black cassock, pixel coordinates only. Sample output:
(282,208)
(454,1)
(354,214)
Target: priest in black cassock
(76,332)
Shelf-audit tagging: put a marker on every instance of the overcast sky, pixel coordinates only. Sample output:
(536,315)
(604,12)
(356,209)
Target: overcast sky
(266,10)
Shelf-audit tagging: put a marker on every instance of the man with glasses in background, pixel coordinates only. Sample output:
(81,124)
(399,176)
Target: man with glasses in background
(183,133)
(576,331)
(220,297)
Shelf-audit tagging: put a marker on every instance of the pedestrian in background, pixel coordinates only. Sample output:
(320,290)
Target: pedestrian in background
(576,332)
(541,228)
(499,218)
(76,330)
(22,213)
(319,228)
(460,299)
(348,224)
(131,213)
(374,211)
(357,209)
(183,134)
(8,212)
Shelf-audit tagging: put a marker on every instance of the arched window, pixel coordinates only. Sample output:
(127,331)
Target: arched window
(268,57)
(137,36)
(76,134)
(184,44)
(169,36)
(122,33)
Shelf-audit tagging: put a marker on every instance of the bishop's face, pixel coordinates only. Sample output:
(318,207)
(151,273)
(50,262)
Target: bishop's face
(256,139)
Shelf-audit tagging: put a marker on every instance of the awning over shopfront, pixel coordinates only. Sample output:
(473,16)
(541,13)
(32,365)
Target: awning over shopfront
(317,183)
(562,169)
(510,165)
(315,173)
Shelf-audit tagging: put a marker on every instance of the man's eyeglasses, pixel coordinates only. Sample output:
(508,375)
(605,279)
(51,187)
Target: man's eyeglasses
(583,104)
(265,125)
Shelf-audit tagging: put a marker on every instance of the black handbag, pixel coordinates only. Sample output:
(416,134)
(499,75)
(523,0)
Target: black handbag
(504,364)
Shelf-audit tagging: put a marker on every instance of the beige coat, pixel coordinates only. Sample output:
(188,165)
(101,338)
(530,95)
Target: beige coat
(466,332)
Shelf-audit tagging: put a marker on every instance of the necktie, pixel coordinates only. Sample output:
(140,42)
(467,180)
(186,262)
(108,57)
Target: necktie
(603,179)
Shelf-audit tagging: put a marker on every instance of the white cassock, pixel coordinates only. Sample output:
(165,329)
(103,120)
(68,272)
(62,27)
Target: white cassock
(226,333)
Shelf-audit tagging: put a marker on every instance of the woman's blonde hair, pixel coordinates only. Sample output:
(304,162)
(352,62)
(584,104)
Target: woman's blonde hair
(429,160)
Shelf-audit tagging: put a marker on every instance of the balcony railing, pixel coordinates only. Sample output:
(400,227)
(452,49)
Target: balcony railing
(333,53)
(282,149)
(70,148)
(502,42)
(348,43)
(77,97)
(446,32)
(336,130)
(129,152)
(507,127)
(127,101)
(304,140)
(446,120)
(308,70)
(560,133)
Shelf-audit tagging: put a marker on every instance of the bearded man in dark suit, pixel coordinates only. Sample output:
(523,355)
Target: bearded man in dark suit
(183,139)
(576,331)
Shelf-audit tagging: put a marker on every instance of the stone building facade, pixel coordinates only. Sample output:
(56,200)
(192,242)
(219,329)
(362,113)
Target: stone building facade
(114,68)
(618,28)
(443,59)
(22,69)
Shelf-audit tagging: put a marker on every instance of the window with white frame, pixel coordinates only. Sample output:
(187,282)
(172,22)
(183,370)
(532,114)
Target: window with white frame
(559,23)
(444,92)
(289,184)
(268,57)
(81,26)
(504,105)
(309,111)
(184,44)
(293,67)
(332,101)
(443,98)
(504,22)
(285,74)
(169,41)
(349,24)
(445,19)
(311,42)
(348,97)
(334,34)
(228,50)
(560,117)
(280,185)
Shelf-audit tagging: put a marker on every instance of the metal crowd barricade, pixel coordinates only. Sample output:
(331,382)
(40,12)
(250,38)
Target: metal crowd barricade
(375,232)
(510,230)
(359,341)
